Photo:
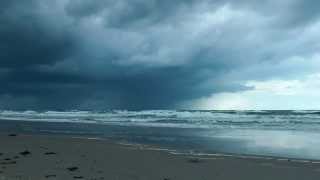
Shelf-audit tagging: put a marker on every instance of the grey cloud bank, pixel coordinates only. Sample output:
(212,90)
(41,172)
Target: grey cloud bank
(148,54)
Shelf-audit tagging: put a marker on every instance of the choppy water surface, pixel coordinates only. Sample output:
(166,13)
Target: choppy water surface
(291,120)
(294,134)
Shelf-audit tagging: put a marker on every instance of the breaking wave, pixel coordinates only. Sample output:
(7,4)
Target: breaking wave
(304,120)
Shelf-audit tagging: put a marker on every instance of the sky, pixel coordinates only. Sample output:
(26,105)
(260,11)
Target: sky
(159,54)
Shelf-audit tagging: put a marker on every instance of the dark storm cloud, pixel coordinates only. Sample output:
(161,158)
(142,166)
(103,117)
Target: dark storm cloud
(27,39)
(146,53)
(122,13)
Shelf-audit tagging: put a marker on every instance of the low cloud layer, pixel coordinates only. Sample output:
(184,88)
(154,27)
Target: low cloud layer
(149,54)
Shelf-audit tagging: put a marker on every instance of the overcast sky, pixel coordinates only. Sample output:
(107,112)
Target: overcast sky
(159,54)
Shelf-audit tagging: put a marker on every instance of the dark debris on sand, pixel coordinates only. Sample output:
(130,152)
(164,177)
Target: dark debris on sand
(12,135)
(72,168)
(50,153)
(77,177)
(25,153)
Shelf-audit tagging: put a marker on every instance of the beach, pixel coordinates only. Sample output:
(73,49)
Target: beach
(40,157)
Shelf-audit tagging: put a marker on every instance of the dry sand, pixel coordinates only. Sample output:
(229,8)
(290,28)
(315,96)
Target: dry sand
(50,157)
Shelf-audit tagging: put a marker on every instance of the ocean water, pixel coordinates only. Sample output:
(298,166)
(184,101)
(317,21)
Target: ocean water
(288,134)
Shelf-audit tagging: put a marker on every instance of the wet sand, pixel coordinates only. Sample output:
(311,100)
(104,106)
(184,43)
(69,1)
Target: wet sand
(37,157)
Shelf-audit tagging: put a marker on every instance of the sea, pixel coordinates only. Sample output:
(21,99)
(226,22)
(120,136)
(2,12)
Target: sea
(283,133)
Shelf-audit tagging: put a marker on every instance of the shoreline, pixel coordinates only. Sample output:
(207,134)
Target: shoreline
(52,156)
(186,140)
(192,153)
(153,147)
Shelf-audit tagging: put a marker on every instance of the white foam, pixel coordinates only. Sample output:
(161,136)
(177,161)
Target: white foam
(171,118)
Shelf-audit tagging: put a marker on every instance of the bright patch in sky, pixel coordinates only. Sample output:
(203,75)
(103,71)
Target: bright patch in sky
(272,94)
